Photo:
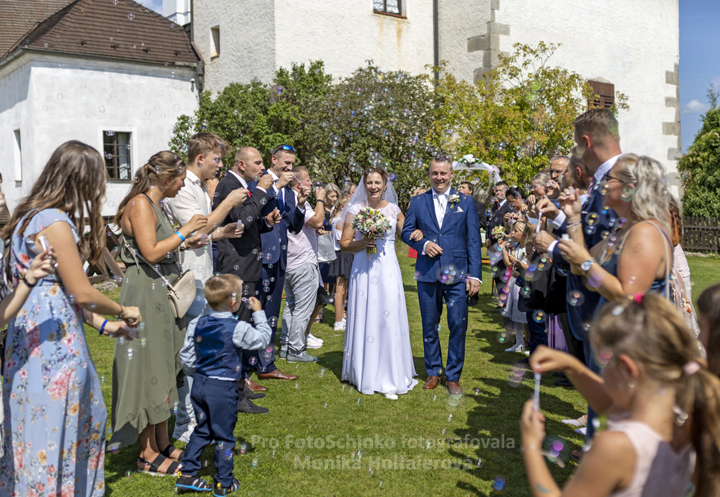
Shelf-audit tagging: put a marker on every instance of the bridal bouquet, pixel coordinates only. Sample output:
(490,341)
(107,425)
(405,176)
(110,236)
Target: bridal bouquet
(371,223)
(498,232)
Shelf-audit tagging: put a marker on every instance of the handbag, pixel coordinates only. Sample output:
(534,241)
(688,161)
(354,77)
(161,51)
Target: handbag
(326,248)
(181,294)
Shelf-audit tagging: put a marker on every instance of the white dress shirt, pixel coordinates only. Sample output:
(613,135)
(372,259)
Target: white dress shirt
(441,201)
(302,248)
(192,199)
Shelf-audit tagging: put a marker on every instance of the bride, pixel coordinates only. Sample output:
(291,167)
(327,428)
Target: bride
(377,356)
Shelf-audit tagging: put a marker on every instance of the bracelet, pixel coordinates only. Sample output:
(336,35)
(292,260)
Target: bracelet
(319,200)
(24,280)
(523,448)
(572,225)
(102,328)
(182,238)
(122,311)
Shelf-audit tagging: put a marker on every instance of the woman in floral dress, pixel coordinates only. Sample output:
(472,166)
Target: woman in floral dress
(54,410)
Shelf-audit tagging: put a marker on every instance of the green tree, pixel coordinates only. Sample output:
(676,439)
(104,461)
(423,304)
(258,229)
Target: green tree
(517,115)
(700,166)
(373,118)
(369,118)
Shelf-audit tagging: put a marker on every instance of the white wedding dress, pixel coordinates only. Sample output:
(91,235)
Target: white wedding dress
(377,356)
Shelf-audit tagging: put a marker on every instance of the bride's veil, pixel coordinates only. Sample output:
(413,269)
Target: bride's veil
(359,198)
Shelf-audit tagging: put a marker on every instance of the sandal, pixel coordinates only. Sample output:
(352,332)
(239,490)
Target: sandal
(153,467)
(191,484)
(167,451)
(221,491)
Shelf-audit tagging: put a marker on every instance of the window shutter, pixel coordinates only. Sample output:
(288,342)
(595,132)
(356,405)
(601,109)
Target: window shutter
(605,92)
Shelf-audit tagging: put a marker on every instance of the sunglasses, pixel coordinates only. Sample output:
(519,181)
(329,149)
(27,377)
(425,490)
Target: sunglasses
(608,177)
(282,147)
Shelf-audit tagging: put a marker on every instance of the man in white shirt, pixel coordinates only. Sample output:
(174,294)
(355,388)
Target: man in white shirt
(205,154)
(302,276)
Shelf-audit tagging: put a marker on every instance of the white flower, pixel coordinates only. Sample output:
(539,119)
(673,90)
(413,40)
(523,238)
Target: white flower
(454,199)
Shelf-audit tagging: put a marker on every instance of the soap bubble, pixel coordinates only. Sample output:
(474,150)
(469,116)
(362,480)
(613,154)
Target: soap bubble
(498,483)
(575,298)
(131,16)
(516,375)
(592,218)
(539,316)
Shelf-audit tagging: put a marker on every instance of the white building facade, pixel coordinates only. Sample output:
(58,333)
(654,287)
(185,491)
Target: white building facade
(46,100)
(114,75)
(633,46)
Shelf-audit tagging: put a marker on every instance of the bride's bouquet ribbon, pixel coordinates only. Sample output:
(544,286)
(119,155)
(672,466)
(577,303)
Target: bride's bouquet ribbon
(371,223)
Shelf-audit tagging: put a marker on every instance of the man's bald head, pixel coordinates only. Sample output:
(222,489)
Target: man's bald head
(249,163)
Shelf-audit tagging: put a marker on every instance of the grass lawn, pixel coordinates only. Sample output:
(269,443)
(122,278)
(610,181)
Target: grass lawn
(319,406)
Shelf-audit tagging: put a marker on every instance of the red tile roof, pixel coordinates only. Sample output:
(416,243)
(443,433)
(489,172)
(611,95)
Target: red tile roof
(116,29)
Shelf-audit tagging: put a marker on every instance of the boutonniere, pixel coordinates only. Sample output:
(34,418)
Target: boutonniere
(454,199)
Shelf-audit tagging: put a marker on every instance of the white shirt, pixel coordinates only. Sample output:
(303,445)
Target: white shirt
(302,248)
(337,232)
(192,199)
(441,201)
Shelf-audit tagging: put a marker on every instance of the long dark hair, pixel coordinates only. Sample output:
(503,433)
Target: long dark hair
(160,166)
(72,181)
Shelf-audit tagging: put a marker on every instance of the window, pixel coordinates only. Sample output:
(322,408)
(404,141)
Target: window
(388,7)
(116,147)
(604,94)
(17,153)
(214,41)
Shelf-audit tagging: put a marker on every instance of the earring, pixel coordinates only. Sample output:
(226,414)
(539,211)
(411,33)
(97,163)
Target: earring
(631,385)
(627,194)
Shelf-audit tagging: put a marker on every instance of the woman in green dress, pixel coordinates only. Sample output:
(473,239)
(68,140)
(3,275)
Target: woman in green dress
(145,370)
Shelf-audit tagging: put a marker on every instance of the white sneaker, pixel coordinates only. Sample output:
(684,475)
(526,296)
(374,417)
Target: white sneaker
(514,348)
(314,338)
(340,325)
(522,350)
(391,396)
(185,437)
(313,344)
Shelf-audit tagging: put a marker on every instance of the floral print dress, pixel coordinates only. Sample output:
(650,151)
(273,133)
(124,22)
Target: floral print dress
(54,410)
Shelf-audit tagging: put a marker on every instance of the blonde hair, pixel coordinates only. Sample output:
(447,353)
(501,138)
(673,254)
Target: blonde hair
(527,230)
(330,187)
(219,289)
(649,199)
(650,330)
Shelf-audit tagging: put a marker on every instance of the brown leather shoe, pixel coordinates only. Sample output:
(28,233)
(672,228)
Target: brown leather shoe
(577,455)
(431,382)
(277,375)
(254,387)
(454,388)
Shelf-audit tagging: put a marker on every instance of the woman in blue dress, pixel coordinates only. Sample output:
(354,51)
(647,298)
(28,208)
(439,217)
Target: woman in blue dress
(54,409)
(637,256)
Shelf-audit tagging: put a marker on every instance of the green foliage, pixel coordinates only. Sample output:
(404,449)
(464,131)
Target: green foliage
(337,129)
(700,166)
(517,115)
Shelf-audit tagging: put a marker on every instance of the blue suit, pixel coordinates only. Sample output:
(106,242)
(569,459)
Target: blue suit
(273,269)
(579,316)
(459,239)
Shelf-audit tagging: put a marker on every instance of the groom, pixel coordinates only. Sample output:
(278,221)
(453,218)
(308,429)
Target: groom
(448,265)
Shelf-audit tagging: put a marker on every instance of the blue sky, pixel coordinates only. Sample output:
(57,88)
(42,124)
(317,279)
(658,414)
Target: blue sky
(699,59)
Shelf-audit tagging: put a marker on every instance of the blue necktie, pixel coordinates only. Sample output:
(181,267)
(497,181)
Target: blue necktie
(280,200)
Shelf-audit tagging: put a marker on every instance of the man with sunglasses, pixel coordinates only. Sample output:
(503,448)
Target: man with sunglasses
(274,255)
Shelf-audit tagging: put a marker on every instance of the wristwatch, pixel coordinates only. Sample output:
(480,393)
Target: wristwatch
(586,266)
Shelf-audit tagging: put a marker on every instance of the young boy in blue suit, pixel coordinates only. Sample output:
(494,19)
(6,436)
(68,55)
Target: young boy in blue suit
(213,352)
